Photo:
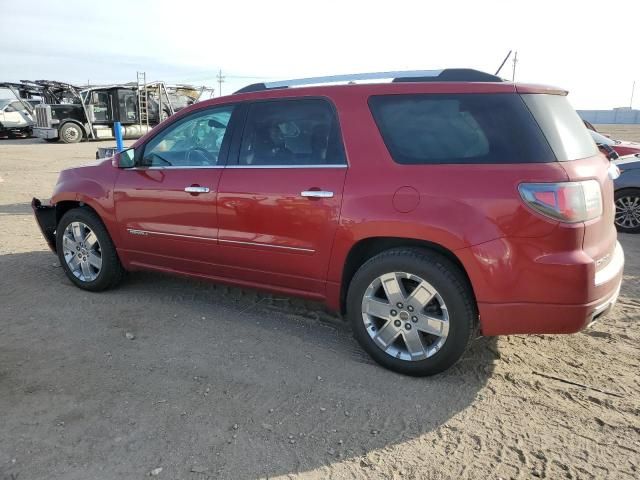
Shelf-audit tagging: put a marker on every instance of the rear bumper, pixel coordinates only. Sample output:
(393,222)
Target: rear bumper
(548,315)
(42,132)
(46,220)
(527,318)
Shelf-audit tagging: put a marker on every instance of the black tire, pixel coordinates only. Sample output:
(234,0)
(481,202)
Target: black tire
(111,272)
(71,133)
(450,283)
(633,222)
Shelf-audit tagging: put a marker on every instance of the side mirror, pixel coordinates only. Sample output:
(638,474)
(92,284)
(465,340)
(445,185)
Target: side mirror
(126,158)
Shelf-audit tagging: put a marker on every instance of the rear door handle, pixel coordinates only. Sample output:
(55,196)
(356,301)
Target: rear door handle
(316,194)
(196,189)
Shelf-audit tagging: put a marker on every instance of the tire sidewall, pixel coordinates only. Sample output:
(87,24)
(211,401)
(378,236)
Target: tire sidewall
(460,318)
(103,279)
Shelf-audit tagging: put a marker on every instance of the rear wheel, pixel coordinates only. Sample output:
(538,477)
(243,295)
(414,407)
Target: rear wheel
(86,251)
(627,202)
(71,133)
(412,311)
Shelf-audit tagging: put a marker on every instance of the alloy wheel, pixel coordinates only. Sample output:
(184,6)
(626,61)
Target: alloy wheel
(628,211)
(82,252)
(405,316)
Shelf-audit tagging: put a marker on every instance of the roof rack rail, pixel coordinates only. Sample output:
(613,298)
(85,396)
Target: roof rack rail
(446,75)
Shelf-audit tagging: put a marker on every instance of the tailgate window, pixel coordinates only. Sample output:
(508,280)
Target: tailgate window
(564,129)
(459,128)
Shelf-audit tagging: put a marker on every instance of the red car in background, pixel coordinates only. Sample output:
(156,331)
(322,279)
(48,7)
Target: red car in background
(427,210)
(621,147)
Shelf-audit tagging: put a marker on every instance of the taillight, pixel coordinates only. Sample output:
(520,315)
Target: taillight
(569,202)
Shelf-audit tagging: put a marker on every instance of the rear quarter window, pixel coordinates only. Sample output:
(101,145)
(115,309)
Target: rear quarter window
(564,129)
(459,128)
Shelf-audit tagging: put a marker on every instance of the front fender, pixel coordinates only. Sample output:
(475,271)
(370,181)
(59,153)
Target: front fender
(92,186)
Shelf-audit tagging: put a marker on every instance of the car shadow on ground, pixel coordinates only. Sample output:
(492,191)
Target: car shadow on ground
(198,379)
(16,209)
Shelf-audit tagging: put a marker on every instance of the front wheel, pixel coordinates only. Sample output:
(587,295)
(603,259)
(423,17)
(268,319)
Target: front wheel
(412,311)
(627,202)
(71,133)
(86,251)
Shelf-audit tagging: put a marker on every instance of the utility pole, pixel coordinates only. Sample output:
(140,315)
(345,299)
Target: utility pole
(220,81)
(633,89)
(515,60)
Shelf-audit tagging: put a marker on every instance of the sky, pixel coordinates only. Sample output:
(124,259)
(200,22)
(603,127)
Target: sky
(584,46)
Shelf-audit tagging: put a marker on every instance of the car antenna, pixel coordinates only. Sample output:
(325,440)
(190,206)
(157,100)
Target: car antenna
(503,62)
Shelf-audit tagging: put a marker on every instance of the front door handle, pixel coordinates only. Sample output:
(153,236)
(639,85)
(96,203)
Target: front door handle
(196,189)
(316,194)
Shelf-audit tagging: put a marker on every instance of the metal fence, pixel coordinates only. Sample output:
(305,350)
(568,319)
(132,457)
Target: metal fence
(618,115)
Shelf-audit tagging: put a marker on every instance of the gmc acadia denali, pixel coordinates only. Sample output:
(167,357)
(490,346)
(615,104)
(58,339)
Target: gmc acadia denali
(428,210)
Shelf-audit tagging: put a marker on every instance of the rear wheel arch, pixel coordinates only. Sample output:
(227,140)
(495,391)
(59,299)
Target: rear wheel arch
(367,248)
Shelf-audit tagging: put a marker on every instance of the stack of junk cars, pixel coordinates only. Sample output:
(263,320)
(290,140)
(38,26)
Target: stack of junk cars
(58,111)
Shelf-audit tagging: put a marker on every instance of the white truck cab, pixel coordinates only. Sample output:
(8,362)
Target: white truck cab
(15,118)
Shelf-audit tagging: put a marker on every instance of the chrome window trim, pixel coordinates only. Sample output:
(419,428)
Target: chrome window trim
(176,167)
(257,244)
(287,166)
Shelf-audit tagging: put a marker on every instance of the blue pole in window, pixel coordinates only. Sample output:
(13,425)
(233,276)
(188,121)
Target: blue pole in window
(117,129)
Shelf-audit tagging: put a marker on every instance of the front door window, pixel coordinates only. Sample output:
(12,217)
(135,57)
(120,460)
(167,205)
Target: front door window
(195,141)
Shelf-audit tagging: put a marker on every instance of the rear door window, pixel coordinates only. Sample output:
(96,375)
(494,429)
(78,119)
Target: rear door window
(291,133)
(459,128)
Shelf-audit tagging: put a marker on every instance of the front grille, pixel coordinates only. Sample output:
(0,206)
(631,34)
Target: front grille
(43,116)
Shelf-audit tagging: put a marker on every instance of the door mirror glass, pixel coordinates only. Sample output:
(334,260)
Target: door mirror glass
(126,158)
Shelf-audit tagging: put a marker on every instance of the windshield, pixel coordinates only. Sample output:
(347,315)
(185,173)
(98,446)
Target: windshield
(4,102)
(601,139)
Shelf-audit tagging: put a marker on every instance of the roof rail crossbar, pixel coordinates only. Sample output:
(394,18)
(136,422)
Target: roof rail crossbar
(446,75)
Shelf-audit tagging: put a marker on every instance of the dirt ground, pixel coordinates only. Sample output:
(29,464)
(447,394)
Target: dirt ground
(630,133)
(228,383)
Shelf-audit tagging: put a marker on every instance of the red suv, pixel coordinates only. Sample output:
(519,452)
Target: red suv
(428,210)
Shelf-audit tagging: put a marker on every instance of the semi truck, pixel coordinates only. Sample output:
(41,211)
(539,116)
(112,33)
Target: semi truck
(74,114)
